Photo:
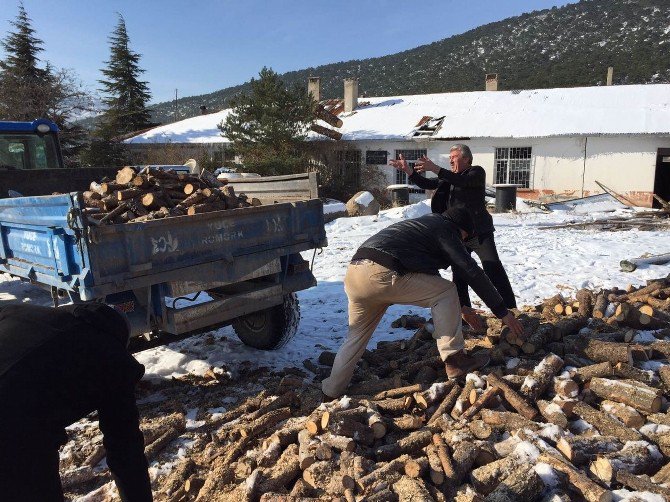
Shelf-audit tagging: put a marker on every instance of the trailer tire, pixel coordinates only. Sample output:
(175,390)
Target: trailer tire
(272,328)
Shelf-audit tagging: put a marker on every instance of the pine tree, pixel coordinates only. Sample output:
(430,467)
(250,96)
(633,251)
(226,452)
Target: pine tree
(127,96)
(24,86)
(269,125)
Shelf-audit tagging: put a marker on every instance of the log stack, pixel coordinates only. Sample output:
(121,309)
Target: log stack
(575,426)
(137,195)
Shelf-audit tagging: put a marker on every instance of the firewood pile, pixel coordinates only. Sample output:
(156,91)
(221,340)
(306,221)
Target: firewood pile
(640,220)
(576,409)
(150,194)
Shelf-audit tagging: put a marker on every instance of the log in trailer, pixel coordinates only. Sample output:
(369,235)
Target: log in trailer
(244,263)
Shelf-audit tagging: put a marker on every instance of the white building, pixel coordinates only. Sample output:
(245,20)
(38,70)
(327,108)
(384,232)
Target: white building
(551,141)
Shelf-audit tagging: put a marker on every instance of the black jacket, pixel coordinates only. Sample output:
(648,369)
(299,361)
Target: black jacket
(466,189)
(427,244)
(59,365)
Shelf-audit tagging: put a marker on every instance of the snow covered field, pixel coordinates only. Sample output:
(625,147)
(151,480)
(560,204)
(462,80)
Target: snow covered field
(539,263)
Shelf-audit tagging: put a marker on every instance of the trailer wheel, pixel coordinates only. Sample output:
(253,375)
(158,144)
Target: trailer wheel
(271,328)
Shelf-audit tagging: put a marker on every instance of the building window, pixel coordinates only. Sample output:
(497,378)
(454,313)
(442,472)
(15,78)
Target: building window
(376,157)
(348,166)
(411,156)
(513,165)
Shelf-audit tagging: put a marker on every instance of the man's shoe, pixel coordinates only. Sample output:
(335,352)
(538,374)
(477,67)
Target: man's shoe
(460,363)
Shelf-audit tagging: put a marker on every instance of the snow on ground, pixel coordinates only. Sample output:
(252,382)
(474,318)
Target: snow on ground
(539,263)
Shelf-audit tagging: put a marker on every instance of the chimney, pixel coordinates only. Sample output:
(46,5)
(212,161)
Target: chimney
(314,88)
(610,74)
(350,94)
(491,82)
(203,110)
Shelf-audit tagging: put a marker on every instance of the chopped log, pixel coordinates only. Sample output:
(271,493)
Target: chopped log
(598,350)
(662,476)
(512,397)
(330,417)
(521,484)
(270,454)
(600,305)
(569,325)
(623,412)
(661,347)
(636,394)
(538,339)
(542,377)
(96,456)
(566,388)
(586,373)
(549,304)
(307,449)
(641,484)
(340,443)
(446,405)
(443,454)
(486,478)
(659,418)
(581,450)
(463,456)
(396,466)
(284,472)
(552,413)
(504,420)
(588,489)
(265,422)
(586,301)
(435,470)
(416,467)
(463,401)
(352,429)
(77,476)
(635,458)
(125,175)
(324,131)
(628,372)
(480,430)
(320,474)
(434,393)
(394,405)
(408,422)
(664,373)
(407,445)
(398,391)
(482,401)
(606,425)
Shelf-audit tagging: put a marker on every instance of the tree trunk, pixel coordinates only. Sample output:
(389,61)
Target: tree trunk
(636,394)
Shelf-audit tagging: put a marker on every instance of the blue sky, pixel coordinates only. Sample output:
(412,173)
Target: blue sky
(204,45)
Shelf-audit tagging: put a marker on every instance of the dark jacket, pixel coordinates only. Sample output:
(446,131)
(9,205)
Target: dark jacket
(59,365)
(427,244)
(466,189)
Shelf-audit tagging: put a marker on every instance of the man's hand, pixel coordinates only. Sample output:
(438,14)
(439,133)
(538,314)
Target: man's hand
(401,165)
(514,325)
(425,164)
(470,316)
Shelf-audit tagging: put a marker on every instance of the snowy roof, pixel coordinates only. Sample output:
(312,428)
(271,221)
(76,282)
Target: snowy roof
(620,109)
(200,129)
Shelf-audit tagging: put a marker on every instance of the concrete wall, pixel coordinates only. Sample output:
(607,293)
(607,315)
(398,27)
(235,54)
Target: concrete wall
(566,166)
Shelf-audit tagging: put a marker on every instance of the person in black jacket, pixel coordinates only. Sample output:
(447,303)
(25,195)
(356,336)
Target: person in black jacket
(464,186)
(400,265)
(57,365)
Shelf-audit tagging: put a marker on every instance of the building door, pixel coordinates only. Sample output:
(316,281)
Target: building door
(662,179)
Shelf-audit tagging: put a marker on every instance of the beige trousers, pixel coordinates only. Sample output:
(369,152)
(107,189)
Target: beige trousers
(371,289)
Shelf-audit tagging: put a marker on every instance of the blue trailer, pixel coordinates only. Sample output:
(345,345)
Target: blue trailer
(245,263)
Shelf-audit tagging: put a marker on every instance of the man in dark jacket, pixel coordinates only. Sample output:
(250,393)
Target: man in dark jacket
(56,367)
(399,265)
(464,186)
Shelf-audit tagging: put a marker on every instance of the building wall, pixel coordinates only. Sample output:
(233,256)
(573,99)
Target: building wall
(565,166)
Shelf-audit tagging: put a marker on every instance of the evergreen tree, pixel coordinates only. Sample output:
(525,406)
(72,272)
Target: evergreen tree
(268,126)
(23,84)
(127,96)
